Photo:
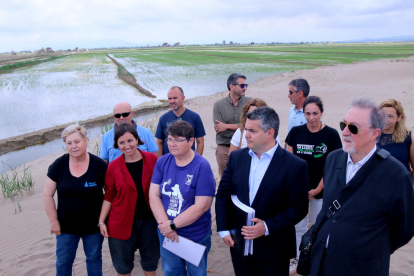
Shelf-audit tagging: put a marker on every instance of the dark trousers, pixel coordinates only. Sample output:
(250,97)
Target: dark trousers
(249,266)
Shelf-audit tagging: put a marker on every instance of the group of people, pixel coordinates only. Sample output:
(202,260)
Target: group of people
(162,188)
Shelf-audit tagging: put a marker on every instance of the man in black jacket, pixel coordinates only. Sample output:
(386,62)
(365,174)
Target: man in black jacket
(272,181)
(377,219)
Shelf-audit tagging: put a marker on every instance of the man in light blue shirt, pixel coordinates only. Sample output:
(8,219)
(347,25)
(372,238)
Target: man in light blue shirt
(298,92)
(123,114)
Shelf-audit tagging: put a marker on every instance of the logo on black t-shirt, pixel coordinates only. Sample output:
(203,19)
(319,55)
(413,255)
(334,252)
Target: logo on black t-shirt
(90,184)
(311,150)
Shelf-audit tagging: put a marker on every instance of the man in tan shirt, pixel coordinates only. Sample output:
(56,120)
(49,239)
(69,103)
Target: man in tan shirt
(226,117)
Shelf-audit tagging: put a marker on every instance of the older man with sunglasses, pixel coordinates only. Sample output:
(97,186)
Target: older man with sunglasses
(226,117)
(367,204)
(123,114)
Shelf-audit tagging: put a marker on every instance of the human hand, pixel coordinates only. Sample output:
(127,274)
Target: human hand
(255,231)
(165,228)
(312,193)
(55,228)
(220,127)
(228,241)
(104,230)
(173,236)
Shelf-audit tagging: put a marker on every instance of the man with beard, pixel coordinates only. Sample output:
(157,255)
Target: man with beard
(357,235)
(179,113)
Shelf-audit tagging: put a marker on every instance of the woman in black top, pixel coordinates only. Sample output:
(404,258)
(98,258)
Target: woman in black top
(312,142)
(78,177)
(395,137)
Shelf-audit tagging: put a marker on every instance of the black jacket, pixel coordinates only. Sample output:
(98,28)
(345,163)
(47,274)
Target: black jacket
(375,221)
(281,200)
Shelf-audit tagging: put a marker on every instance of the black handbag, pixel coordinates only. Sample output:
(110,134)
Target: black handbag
(309,238)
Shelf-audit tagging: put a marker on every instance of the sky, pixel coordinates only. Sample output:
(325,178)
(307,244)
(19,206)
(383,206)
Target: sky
(41,23)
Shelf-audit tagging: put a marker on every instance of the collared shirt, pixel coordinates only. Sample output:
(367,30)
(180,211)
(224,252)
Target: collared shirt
(258,168)
(225,111)
(296,117)
(352,169)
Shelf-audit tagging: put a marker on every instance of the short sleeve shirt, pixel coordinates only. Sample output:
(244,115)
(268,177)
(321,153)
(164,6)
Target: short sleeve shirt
(189,116)
(79,199)
(108,152)
(296,117)
(180,185)
(314,147)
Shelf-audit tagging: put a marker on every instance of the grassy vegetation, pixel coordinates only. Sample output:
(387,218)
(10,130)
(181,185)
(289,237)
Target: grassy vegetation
(13,185)
(16,65)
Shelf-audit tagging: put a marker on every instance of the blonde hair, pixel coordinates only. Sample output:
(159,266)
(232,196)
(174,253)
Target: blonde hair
(72,129)
(400,131)
(253,102)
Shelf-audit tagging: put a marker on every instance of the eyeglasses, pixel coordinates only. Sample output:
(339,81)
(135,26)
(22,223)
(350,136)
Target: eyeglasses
(175,141)
(291,92)
(352,128)
(125,114)
(243,85)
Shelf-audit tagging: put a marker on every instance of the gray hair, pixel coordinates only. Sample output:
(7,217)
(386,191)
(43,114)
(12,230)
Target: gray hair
(233,79)
(376,118)
(301,84)
(268,118)
(72,129)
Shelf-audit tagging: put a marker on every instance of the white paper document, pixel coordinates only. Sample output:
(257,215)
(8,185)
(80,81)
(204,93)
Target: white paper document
(248,245)
(187,249)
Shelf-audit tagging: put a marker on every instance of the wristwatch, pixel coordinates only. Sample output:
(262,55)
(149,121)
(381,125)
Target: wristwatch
(172,225)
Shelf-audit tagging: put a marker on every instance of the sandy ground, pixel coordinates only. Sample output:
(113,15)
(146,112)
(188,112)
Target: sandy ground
(28,249)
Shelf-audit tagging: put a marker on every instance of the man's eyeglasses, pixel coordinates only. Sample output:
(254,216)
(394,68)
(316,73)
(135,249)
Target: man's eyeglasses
(125,114)
(175,141)
(243,85)
(291,92)
(352,128)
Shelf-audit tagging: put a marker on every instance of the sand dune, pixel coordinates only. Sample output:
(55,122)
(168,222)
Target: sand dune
(27,248)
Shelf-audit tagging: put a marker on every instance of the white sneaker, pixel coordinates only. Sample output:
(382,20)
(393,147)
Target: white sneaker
(293,266)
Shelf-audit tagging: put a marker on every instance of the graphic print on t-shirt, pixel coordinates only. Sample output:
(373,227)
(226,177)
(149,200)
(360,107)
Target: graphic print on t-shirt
(311,149)
(176,199)
(90,184)
(188,179)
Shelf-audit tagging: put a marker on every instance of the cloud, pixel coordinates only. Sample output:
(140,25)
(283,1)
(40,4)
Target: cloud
(25,23)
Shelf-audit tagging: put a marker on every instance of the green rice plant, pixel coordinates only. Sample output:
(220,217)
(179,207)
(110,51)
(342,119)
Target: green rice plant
(16,65)
(13,185)
(105,129)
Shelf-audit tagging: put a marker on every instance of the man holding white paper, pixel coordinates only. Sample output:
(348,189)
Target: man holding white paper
(274,183)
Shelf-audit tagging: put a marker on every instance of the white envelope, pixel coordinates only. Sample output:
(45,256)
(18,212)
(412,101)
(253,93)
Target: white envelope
(188,250)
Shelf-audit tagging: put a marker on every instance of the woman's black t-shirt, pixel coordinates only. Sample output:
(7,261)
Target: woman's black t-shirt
(142,211)
(314,147)
(79,199)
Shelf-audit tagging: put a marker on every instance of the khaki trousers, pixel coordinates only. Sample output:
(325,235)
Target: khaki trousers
(222,156)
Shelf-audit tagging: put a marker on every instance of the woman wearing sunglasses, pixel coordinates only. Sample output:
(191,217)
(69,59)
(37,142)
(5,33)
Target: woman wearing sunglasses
(312,142)
(131,224)
(396,138)
(78,177)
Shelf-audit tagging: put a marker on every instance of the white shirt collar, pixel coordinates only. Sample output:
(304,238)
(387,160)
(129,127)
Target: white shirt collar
(363,160)
(269,153)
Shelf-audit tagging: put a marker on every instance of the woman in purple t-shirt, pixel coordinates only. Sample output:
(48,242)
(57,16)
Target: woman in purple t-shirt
(181,193)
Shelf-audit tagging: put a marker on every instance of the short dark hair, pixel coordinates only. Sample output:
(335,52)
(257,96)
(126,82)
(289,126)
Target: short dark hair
(313,99)
(122,129)
(233,79)
(301,84)
(180,129)
(179,88)
(268,118)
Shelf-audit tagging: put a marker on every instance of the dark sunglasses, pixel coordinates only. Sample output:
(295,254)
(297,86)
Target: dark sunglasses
(243,85)
(290,92)
(352,128)
(118,115)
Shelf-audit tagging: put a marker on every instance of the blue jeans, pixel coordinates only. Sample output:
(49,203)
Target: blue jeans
(172,265)
(66,245)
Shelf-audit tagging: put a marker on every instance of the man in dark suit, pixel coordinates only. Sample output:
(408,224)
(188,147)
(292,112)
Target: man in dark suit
(272,181)
(377,219)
